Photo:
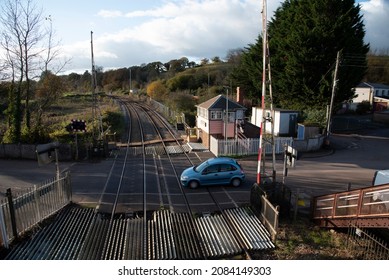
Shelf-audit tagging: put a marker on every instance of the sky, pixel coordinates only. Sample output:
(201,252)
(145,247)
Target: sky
(132,32)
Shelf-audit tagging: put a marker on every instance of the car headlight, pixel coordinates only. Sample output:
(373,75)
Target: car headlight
(184,177)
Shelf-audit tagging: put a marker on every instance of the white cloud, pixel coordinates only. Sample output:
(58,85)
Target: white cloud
(188,28)
(109,14)
(376,19)
(195,29)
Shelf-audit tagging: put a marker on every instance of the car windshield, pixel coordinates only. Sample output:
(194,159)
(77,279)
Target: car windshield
(200,167)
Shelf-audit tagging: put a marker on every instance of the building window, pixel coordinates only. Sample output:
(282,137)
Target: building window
(216,115)
(231,117)
(202,112)
(239,115)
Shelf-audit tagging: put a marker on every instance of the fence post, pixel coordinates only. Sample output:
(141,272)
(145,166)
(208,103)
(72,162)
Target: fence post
(37,202)
(3,229)
(12,213)
(69,186)
(296,205)
(275,223)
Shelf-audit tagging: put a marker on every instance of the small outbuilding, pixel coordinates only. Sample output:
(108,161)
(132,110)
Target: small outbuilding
(285,121)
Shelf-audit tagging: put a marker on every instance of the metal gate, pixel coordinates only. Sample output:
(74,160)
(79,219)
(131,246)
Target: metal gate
(18,214)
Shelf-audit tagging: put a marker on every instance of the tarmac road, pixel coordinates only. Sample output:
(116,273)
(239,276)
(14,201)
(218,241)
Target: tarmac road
(351,161)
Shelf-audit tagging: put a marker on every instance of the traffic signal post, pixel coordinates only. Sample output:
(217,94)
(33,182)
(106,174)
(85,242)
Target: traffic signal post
(77,126)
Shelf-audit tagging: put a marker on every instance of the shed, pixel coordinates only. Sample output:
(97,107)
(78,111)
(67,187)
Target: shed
(285,121)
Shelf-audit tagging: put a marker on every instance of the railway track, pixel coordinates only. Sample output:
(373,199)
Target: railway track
(144,213)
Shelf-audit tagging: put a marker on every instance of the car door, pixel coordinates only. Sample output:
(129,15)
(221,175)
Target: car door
(210,175)
(226,172)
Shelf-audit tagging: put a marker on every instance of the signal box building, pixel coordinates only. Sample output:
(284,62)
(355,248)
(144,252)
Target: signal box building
(219,118)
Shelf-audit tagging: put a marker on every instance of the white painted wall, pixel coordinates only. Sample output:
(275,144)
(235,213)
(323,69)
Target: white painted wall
(281,120)
(363,94)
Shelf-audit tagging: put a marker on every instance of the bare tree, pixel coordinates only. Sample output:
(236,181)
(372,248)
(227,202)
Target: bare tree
(27,45)
(52,52)
(31,35)
(12,42)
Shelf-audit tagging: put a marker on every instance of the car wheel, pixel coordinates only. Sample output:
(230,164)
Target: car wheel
(193,184)
(235,182)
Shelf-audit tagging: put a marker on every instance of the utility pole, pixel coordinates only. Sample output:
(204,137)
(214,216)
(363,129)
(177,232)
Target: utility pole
(95,106)
(265,82)
(226,123)
(93,84)
(334,84)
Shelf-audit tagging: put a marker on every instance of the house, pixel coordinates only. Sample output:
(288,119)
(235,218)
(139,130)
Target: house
(211,119)
(285,121)
(376,94)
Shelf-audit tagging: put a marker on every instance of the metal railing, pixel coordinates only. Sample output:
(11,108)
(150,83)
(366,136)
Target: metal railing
(169,114)
(363,204)
(365,245)
(19,214)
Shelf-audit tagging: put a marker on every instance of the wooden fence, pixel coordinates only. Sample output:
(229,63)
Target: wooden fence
(265,210)
(21,213)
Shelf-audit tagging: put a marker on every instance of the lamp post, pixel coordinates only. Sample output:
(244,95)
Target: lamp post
(226,116)
(226,120)
(130,82)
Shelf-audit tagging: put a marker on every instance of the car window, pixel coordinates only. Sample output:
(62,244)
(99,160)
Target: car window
(227,167)
(211,169)
(198,168)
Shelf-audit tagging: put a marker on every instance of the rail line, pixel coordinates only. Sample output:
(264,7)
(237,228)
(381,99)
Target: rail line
(165,132)
(144,212)
(228,223)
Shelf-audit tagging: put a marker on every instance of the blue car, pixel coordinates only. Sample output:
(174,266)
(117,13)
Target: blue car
(214,171)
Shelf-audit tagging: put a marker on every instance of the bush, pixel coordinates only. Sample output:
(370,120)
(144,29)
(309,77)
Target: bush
(363,108)
(115,121)
(315,116)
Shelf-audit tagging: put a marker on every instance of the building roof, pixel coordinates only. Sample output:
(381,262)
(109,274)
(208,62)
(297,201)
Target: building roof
(279,110)
(219,102)
(372,85)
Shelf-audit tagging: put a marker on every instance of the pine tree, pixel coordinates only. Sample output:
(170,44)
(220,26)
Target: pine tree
(304,38)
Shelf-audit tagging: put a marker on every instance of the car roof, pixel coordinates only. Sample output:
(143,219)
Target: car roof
(217,160)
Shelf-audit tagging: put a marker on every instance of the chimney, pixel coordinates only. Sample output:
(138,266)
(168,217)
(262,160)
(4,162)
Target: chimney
(239,97)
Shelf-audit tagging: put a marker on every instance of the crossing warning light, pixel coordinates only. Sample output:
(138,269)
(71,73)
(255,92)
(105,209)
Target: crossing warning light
(78,126)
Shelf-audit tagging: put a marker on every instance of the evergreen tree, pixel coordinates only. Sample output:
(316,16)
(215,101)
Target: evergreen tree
(304,38)
(248,74)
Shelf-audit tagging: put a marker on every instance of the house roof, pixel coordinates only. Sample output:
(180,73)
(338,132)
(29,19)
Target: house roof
(372,85)
(219,102)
